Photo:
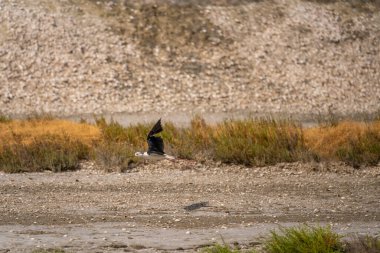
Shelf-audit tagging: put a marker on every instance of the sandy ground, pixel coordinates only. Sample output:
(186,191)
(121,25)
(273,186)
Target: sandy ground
(181,206)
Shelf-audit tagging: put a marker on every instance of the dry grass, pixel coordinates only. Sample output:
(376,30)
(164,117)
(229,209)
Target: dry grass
(29,130)
(117,145)
(353,142)
(47,152)
(46,143)
(258,142)
(253,141)
(42,143)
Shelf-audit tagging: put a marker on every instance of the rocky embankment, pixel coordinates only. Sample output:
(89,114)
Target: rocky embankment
(82,56)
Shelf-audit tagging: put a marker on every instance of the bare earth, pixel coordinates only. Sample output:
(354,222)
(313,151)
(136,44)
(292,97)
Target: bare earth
(184,205)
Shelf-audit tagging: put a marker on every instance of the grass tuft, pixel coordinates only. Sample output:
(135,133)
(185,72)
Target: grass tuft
(304,240)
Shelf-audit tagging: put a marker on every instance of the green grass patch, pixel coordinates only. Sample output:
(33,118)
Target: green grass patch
(304,240)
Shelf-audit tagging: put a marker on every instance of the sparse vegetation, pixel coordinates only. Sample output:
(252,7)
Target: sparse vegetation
(38,144)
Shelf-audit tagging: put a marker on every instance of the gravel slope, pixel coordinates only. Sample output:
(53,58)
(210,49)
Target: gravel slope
(72,57)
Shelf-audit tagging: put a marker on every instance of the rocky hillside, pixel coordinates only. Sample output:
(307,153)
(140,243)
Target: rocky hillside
(86,56)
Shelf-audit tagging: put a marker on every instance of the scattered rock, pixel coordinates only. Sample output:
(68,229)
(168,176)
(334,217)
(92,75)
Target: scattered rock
(299,57)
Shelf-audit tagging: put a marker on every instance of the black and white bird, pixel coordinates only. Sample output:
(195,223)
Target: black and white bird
(155,145)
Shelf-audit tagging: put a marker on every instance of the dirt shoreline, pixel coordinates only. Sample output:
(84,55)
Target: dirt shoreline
(126,237)
(156,201)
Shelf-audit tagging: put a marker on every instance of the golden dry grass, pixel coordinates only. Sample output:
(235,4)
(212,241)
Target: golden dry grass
(28,130)
(39,144)
(327,141)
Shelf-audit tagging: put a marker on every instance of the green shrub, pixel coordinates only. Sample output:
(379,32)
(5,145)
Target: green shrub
(48,152)
(304,240)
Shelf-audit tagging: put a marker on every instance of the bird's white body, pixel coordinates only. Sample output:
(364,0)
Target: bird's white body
(154,156)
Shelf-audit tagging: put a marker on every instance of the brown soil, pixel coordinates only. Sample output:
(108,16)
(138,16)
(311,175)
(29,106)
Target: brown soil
(187,197)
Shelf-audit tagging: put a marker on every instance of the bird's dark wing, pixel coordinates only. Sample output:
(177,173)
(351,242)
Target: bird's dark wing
(156,145)
(157,128)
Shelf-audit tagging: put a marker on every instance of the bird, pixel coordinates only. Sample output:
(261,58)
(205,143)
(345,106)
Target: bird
(155,145)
